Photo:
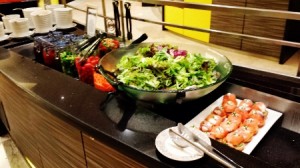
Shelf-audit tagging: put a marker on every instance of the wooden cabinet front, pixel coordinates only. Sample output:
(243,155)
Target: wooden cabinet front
(60,144)
(43,138)
(19,114)
(100,155)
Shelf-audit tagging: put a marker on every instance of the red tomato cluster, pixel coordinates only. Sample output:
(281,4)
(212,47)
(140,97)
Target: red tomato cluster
(86,68)
(235,123)
(49,56)
(107,45)
(87,73)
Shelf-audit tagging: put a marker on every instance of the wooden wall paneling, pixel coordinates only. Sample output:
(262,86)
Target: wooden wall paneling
(42,137)
(61,144)
(269,4)
(227,22)
(3,119)
(101,155)
(19,116)
(292,33)
(265,27)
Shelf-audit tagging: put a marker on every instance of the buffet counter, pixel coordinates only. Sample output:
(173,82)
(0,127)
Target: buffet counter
(58,121)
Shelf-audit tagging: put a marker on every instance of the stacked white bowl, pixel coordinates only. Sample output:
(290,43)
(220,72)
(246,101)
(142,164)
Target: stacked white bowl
(19,27)
(27,12)
(3,36)
(42,21)
(63,18)
(1,30)
(6,19)
(51,8)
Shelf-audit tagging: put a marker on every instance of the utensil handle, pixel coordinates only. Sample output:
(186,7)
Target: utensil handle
(139,40)
(226,157)
(113,82)
(206,151)
(117,18)
(128,20)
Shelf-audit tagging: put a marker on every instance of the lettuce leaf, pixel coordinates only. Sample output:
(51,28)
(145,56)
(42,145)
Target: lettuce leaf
(156,69)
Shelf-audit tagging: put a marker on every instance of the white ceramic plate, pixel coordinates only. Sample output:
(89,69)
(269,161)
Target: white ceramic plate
(41,32)
(5,37)
(73,25)
(7,31)
(27,35)
(166,147)
(272,117)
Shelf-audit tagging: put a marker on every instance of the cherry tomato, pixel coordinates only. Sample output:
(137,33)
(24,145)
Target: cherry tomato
(93,59)
(107,45)
(86,68)
(94,62)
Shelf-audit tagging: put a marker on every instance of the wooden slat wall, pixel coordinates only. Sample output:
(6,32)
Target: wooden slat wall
(17,111)
(227,22)
(99,155)
(269,4)
(265,27)
(252,25)
(46,140)
(60,143)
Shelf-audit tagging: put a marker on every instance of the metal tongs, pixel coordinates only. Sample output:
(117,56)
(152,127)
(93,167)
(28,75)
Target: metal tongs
(117,18)
(128,20)
(183,137)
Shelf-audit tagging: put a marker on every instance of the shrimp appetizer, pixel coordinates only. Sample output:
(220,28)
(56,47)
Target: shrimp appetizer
(235,122)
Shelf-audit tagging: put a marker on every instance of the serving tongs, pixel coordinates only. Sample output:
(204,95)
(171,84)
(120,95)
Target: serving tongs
(183,137)
(128,20)
(116,18)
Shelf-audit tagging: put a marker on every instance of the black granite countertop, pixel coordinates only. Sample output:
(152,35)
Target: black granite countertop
(134,132)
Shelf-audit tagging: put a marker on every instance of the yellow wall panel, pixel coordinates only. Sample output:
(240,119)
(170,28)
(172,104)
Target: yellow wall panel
(199,19)
(174,15)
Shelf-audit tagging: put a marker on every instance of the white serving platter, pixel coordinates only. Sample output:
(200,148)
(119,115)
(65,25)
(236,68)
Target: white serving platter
(272,117)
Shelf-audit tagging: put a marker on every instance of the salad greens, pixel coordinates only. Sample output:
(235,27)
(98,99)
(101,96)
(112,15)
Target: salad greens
(67,60)
(165,67)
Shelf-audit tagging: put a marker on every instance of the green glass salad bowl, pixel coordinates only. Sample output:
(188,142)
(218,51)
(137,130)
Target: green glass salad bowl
(109,67)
